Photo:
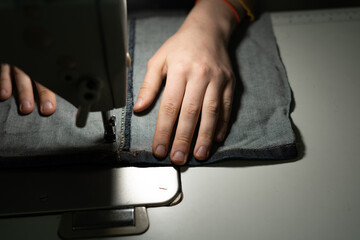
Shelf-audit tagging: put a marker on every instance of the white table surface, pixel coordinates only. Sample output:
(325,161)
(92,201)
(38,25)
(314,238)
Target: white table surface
(316,197)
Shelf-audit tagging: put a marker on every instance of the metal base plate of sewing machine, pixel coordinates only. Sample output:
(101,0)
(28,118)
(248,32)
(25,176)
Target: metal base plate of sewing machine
(93,202)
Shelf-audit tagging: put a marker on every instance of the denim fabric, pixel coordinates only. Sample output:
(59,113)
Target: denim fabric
(260,126)
(33,134)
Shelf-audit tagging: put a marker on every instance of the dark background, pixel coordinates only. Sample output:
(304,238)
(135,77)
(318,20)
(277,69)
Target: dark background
(261,5)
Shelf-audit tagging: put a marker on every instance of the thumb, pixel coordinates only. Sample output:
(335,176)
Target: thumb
(151,84)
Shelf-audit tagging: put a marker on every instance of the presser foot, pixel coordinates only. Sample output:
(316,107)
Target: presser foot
(109,127)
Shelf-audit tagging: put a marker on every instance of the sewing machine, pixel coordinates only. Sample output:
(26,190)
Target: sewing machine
(78,49)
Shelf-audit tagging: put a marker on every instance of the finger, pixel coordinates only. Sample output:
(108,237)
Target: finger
(167,115)
(5,82)
(47,99)
(25,91)
(189,116)
(150,86)
(209,116)
(224,117)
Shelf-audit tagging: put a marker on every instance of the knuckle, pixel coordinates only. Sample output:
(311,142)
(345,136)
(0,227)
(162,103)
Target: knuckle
(218,72)
(162,133)
(43,92)
(206,136)
(224,123)
(182,140)
(180,68)
(226,76)
(3,77)
(170,108)
(223,72)
(227,104)
(212,107)
(192,109)
(203,69)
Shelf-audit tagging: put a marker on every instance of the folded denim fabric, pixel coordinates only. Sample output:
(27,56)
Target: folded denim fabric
(260,126)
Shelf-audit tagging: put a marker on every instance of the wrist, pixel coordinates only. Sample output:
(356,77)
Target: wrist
(213,16)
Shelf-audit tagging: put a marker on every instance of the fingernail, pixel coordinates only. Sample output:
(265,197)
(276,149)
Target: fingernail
(46,107)
(202,152)
(160,151)
(139,103)
(25,105)
(178,157)
(3,93)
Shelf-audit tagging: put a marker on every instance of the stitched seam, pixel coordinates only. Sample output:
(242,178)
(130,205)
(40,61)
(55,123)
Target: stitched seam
(130,93)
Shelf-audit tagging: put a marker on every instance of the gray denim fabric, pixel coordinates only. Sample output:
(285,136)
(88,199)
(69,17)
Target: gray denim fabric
(33,134)
(260,126)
